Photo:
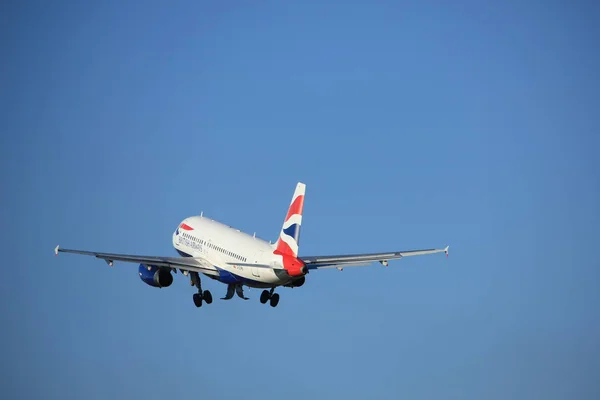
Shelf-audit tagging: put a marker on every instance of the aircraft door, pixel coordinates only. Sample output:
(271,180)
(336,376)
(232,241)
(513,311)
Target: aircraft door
(258,260)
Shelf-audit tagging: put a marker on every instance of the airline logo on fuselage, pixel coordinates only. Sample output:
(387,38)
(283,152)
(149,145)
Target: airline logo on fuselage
(187,239)
(183,226)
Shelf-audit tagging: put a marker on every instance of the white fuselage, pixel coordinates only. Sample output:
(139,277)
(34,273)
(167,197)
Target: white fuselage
(240,258)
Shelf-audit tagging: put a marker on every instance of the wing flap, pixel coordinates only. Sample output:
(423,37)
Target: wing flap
(194,264)
(353,260)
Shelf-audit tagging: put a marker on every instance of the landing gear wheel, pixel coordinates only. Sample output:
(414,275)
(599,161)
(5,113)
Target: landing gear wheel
(207,297)
(264,296)
(274,300)
(197,300)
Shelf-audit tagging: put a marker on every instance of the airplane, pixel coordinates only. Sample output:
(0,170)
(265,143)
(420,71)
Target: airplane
(238,259)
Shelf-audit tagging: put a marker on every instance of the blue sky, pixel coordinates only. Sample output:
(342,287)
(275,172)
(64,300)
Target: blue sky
(413,124)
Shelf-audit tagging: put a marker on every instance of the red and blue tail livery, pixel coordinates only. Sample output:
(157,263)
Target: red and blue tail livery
(289,237)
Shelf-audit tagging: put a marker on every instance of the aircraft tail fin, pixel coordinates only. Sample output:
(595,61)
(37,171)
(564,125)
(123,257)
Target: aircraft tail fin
(289,237)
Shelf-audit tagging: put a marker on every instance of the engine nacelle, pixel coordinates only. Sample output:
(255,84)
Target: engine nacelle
(155,276)
(293,266)
(296,282)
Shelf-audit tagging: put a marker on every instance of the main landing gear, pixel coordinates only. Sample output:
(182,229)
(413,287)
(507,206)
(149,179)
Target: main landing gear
(267,295)
(201,295)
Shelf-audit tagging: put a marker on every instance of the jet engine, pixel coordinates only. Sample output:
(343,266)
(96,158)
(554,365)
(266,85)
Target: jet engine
(155,276)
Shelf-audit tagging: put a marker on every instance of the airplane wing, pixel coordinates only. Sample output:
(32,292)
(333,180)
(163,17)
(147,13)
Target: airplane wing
(359,260)
(192,264)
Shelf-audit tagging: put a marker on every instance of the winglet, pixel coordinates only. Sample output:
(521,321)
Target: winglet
(56,250)
(446,250)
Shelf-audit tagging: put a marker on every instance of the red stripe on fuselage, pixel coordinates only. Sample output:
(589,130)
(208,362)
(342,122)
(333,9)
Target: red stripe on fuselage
(186,227)
(296,207)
